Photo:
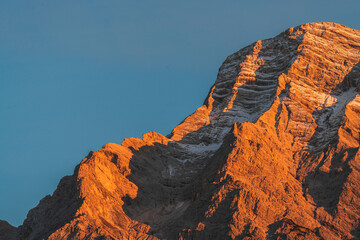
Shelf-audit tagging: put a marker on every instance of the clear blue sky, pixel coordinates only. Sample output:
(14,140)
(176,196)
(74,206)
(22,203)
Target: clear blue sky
(75,75)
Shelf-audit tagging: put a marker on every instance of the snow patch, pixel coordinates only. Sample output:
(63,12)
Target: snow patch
(171,171)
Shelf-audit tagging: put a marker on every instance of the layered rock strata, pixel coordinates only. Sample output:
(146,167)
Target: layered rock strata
(272,154)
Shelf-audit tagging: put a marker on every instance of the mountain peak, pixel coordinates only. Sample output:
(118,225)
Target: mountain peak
(273,152)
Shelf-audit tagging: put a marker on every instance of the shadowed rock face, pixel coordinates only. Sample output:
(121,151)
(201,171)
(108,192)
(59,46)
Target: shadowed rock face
(7,231)
(272,154)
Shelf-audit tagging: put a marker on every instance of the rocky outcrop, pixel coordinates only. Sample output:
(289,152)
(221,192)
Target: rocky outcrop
(7,231)
(272,154)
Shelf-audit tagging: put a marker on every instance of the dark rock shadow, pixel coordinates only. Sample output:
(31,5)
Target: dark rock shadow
(287,229)
(162,196)
(325,187)
(356,232)
(171,203)
(45,219)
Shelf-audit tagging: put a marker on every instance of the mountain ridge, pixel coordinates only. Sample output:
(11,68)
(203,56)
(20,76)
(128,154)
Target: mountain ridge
(271,154)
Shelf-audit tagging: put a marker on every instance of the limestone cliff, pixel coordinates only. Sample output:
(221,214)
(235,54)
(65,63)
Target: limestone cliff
(272,154)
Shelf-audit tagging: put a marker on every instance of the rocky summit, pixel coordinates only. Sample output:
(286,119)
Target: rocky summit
(272,154)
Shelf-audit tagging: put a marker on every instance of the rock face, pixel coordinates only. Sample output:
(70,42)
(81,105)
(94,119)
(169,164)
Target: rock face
(7,231)
(272,154)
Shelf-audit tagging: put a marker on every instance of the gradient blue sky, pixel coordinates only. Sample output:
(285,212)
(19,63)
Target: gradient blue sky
(75,75)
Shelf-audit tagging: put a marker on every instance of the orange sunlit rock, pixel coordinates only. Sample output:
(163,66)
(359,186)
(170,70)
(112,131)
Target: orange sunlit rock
(195,121)
(272,154)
